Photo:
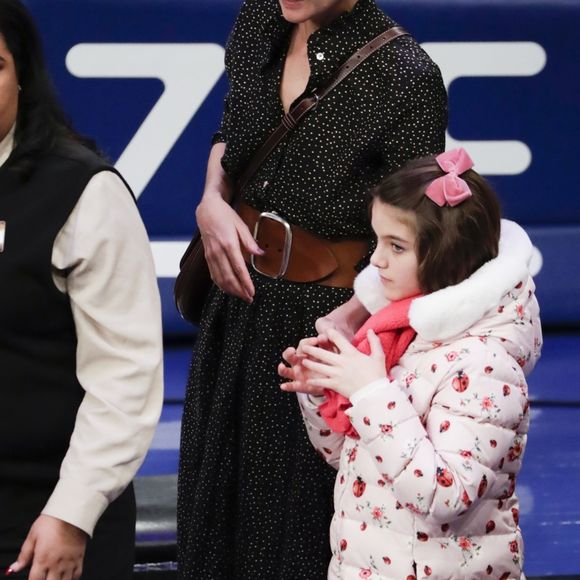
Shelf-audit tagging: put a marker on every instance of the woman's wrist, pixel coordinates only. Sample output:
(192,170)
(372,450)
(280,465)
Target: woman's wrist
(209,201)
(357,314)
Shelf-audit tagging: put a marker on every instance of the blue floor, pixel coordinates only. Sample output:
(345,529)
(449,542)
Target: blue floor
(549,484)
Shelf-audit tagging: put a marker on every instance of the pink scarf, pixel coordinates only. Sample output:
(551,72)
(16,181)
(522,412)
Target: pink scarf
(391,324)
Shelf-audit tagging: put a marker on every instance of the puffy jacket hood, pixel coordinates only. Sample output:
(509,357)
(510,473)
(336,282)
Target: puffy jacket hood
(496,301)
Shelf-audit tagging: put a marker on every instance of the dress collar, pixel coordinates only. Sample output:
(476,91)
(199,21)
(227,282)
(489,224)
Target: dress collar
(6,146)
(330,45)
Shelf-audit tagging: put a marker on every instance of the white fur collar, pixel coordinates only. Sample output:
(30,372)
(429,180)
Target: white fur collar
(452,310)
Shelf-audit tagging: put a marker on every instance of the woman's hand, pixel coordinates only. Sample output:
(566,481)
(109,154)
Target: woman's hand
(347,319)
(224,233)
(53,549)
(348,370)
(295,372)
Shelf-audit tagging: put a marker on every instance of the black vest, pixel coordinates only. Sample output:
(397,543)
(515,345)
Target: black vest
(39,390)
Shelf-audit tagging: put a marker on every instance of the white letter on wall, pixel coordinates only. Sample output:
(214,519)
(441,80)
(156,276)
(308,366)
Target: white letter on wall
(490,59)
(188,72)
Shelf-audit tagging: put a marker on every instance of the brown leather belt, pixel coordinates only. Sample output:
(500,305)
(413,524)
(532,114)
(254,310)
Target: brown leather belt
(296,255)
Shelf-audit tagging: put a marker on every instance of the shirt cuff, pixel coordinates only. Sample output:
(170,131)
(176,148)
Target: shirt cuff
(369,390)
(75,504)
(311,401)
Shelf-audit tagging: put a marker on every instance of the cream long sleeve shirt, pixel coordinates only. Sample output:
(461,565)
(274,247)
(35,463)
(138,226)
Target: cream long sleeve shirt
(102,261)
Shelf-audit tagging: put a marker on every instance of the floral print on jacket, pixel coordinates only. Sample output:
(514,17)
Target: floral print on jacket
(428,489)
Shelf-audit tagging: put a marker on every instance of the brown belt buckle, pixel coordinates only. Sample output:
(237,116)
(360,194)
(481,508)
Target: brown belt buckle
(287,243)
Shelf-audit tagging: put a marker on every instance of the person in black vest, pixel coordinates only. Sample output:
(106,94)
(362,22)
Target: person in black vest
(80,335)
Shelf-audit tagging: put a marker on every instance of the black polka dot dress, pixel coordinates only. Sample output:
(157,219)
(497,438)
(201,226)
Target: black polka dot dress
(255,500)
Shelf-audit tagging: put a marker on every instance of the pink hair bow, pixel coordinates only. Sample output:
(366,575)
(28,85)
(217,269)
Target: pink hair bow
(450,189)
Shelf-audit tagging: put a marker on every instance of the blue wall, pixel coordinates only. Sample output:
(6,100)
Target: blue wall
(514,82)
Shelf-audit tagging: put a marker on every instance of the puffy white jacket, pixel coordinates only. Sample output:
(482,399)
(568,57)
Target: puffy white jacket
(428,489)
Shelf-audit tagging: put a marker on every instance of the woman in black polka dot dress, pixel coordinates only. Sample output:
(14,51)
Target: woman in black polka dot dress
(255,501)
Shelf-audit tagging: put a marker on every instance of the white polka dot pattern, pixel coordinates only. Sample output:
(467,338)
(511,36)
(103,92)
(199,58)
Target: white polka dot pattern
(255,501)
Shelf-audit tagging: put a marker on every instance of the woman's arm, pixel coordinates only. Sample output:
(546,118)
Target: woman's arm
(347,319)
(224,233)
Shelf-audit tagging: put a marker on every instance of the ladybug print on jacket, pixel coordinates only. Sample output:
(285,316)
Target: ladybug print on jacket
(482,486)
(444,477)
(465,499)
(461,382)
(358,487)
(515,451)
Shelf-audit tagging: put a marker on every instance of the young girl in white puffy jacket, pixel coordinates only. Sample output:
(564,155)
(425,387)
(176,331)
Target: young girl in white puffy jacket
(425,414)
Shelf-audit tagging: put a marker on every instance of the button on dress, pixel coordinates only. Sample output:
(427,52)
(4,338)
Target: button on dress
(255,500)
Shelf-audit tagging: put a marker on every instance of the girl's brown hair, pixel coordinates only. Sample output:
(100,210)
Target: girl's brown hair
(452,242)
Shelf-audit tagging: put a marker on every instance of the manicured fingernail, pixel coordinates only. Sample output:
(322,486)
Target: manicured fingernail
(9,572)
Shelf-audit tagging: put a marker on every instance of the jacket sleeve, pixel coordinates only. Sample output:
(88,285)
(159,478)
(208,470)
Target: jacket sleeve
(469,444)
(327,443)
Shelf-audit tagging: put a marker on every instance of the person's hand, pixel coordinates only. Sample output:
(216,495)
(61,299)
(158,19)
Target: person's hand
(224,233)
(347,370)
(53,549)
(347,319)
(294,371)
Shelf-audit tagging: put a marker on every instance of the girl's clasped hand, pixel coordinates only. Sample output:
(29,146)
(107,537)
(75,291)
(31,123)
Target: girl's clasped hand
(331,362)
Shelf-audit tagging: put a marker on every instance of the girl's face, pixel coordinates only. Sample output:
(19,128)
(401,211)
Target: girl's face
(319,12)
(395,256)
(8,90)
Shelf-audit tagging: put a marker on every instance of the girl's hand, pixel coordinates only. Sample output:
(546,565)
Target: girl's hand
(295,372)
(348,370)
(53,549)
(223,233)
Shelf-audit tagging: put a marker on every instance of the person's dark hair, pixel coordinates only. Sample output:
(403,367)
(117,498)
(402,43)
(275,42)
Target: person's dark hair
(452,242)
(41,121)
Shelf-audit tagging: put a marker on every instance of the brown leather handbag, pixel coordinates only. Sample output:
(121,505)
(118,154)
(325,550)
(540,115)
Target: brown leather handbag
(194,281)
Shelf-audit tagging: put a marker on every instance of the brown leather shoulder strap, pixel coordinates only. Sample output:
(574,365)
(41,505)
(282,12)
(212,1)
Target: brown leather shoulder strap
(309,103)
